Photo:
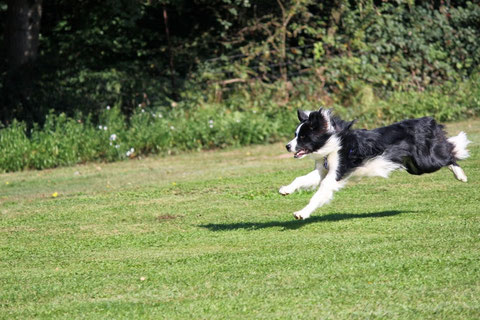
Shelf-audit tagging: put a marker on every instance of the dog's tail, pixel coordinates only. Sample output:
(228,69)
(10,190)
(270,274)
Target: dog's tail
(460,143)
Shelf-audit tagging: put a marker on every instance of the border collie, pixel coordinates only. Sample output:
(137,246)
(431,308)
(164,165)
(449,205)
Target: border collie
(418,146)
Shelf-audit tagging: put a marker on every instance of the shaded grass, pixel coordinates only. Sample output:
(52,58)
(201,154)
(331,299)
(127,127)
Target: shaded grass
(297,224)
(205,235)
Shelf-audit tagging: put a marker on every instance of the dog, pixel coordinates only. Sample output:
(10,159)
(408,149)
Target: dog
(418,146)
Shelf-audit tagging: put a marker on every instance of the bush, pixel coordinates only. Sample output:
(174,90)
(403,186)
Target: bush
(446,103)
(398,48)
(65,141)
(15,146)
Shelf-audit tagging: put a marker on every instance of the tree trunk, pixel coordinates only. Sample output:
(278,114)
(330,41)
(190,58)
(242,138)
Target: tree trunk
(22,31)
(21,42)
(170,54)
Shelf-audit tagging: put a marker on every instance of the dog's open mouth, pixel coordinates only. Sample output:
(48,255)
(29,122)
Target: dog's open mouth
(300,154)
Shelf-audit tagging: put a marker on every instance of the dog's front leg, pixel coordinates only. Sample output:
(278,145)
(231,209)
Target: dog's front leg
(327,187)
(323,195)
(308,181)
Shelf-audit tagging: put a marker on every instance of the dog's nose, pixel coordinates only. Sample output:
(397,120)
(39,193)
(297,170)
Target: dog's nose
(288,147)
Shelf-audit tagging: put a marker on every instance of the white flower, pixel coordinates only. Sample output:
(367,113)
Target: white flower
(210,121)
(130,152)
(172,127)
(100,127)
(211,125)
(143,110)
(113,137)
(108,107)
(117,146)
(160,115)
(105,128)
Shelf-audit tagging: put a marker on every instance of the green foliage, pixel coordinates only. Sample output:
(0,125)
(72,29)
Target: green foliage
(375,61)
(65,141)
(446,103)
(95,54)
(15,147)
(346,47)
(398,48)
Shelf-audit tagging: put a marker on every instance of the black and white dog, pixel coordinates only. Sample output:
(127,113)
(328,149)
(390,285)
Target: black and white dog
(418,146)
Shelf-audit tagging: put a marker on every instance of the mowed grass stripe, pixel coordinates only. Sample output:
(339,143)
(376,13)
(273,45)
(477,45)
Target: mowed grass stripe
(205,235)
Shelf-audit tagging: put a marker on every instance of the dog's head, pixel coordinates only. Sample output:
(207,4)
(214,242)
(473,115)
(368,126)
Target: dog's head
(313,132)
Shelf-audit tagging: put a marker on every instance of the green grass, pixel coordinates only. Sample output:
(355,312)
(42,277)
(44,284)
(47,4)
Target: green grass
(205,235)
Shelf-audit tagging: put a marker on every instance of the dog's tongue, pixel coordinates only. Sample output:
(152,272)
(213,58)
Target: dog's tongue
(299,154)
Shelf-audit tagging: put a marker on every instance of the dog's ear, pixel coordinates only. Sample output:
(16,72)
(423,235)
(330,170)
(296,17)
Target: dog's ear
(340,125)
(350,124)
(302,115)
(317,120)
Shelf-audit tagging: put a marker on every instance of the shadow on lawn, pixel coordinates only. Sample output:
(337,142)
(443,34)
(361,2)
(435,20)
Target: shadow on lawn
(296,224)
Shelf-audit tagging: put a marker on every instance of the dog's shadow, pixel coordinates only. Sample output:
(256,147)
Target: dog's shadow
(296,224)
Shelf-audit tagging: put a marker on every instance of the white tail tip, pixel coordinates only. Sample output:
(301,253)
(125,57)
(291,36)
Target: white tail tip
(460,143)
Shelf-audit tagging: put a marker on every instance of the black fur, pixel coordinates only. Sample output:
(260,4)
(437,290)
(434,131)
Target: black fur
(420,145)
(313,133)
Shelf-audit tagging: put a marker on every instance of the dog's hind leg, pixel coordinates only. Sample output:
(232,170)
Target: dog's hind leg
(458,172)
(460,152)
(308,181)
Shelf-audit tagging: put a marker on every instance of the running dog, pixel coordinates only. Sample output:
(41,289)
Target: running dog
(418,146)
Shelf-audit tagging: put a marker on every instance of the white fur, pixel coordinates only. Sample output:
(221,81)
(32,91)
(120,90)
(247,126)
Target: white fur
(329,184)
(325,179)
(306,182)
(293,142)
(460,143)
(327,187)
(376,167)
(298,129)
(331,146)
(326,114)
(458,172)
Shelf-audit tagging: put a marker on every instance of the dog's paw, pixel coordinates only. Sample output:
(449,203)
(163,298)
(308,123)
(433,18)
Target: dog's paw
(301,215)
(286,190)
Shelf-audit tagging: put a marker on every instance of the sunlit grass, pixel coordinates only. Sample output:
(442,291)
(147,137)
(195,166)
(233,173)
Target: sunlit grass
(205,235)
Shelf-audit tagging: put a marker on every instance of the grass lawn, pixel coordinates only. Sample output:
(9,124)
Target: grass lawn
(206,235)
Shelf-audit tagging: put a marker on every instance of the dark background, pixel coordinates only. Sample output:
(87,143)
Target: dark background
(79,56)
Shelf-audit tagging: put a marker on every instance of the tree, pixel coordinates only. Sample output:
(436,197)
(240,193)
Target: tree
(21,42)
(22,31)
